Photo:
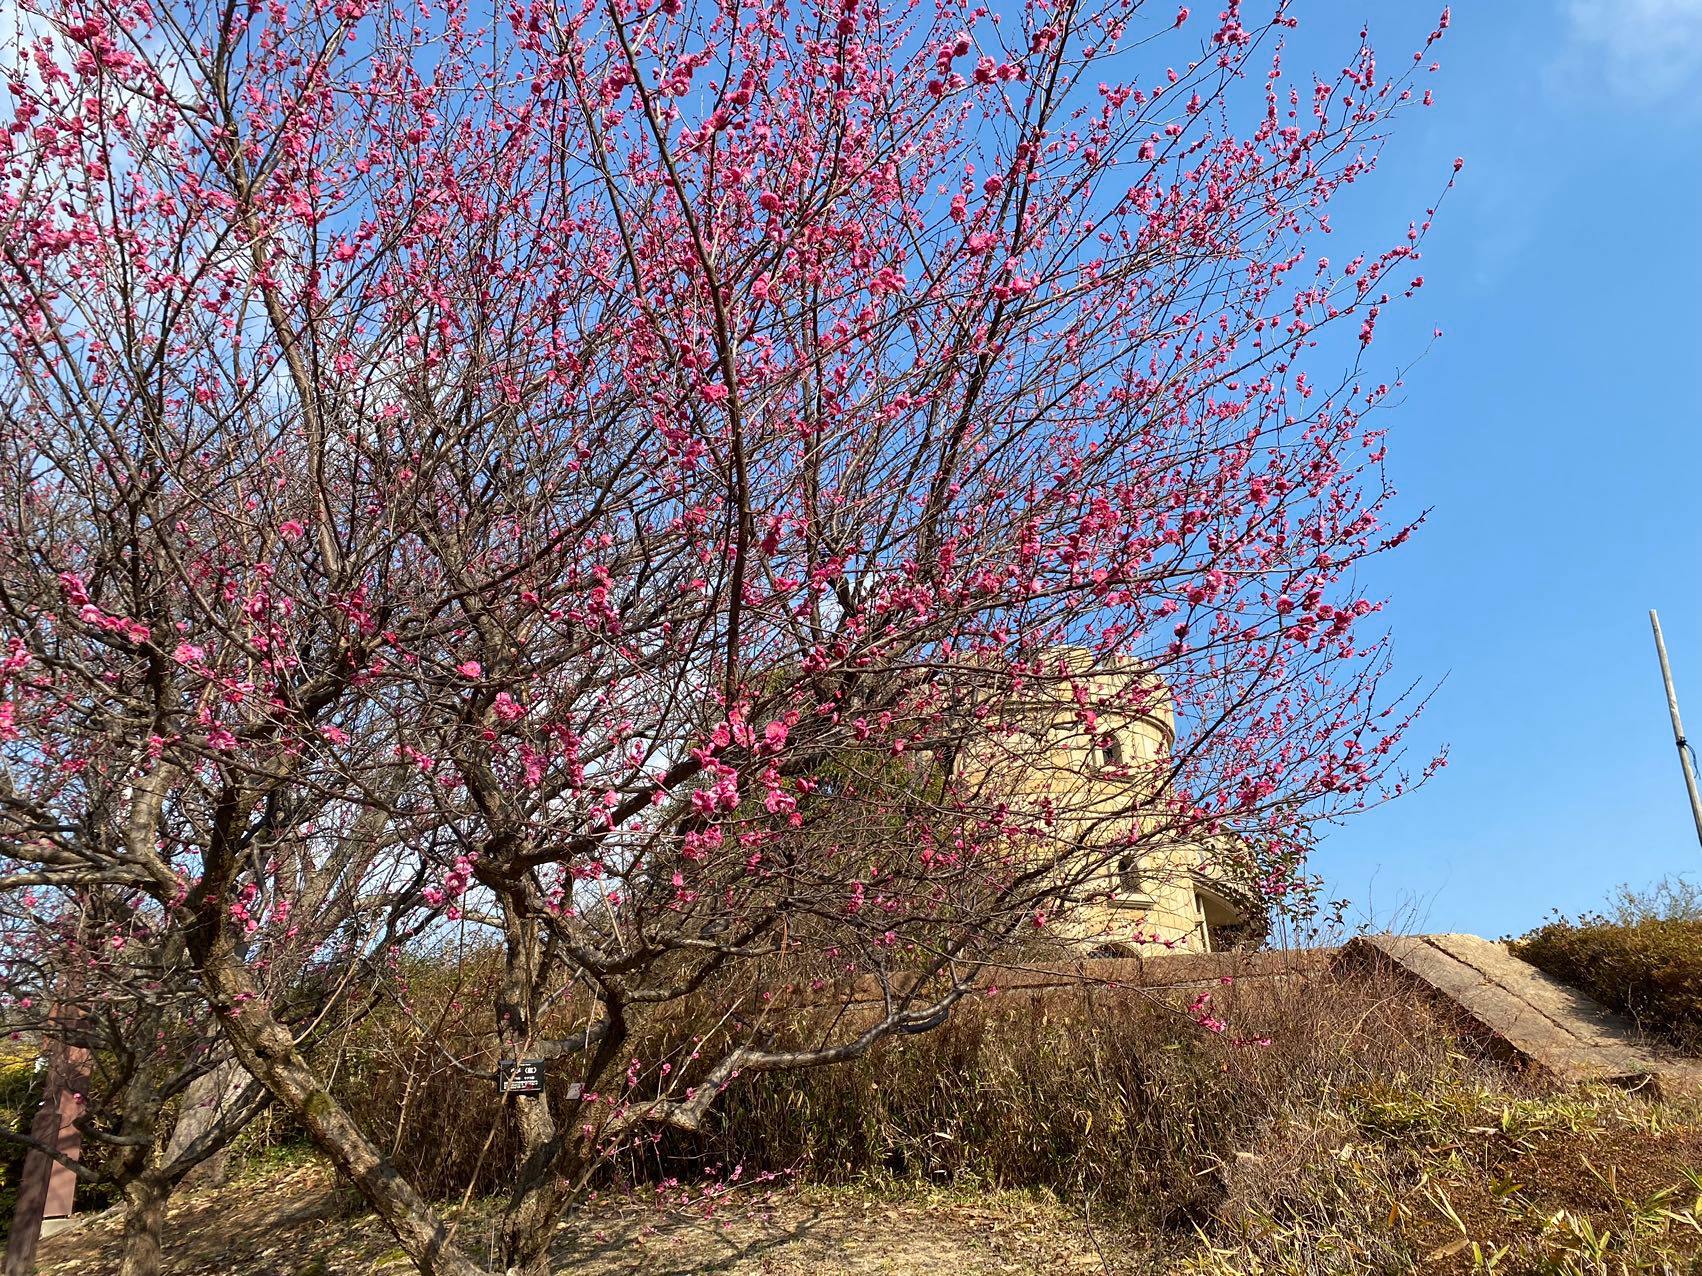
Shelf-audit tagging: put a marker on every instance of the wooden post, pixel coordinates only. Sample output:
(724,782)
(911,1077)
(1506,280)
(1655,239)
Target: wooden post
(1685,756)
(46,1189)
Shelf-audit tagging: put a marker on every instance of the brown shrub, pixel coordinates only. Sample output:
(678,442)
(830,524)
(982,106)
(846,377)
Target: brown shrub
(418,1073)
(1114,1094)
(1111,1094)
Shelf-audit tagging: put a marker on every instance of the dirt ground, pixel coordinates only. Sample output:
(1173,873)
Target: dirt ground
(299,1224)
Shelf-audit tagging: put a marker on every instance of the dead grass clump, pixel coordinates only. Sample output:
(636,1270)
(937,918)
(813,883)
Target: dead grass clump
(1474,1179)
(1117,1096)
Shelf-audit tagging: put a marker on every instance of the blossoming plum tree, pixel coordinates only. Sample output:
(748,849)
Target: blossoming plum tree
(612,460)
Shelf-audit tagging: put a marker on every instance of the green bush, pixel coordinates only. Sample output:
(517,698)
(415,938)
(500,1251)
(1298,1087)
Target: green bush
(1651,971)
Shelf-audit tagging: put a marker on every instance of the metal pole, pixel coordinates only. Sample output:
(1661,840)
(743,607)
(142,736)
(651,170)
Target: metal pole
(1684,755)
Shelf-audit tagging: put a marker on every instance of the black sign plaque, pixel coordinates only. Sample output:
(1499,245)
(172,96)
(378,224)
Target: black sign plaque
(523,1077)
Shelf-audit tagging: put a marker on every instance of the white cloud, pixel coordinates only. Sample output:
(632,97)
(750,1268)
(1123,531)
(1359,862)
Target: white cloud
(1647,48)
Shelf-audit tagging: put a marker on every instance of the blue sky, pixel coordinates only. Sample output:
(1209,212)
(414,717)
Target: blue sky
(1553,431)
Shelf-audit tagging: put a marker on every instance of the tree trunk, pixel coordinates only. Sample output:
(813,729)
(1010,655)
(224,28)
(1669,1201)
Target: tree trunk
(527,1233)
(527,1227)
(145,1198)
(267,1050)
(207,1099)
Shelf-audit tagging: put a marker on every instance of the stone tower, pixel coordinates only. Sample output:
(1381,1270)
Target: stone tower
(1098,736)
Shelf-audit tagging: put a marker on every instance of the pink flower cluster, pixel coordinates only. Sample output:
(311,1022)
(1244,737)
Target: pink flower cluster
(455,884)
(131,630)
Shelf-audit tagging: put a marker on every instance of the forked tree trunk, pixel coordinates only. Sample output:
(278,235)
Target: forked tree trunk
(527,1231)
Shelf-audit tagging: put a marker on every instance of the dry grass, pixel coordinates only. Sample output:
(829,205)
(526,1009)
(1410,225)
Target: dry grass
(1468,1179)
(1115,1096)
(293,1221)
(1587,1184)
(1362,1137)
(1334,1126)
